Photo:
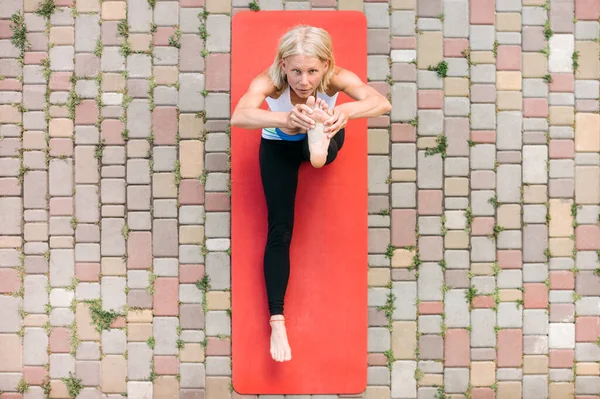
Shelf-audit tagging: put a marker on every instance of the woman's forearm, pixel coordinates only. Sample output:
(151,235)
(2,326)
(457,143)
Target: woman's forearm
(258,119)
(371,107)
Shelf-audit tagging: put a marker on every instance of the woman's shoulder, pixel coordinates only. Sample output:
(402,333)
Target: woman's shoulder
(336,83)
(263,82)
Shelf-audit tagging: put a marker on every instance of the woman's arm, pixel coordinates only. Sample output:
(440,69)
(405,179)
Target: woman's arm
(247,113)
(369,102)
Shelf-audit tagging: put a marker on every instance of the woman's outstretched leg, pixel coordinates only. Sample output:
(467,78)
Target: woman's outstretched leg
(279,165)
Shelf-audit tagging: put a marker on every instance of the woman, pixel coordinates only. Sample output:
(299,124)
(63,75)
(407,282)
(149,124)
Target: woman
(302,124)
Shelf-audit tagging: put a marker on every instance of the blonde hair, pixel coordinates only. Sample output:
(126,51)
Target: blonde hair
(303,40)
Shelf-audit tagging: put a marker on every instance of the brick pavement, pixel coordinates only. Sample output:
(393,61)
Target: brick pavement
(484,198)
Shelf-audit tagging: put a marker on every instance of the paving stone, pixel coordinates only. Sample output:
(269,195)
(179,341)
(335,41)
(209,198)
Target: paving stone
(113,373)
(218,42)
(404,385)
(139,359)
(165,335)
(35,344)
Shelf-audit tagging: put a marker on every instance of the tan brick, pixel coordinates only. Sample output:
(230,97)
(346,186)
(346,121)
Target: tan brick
(483,57)
(140,41)
(589,60)
(163,185)
(508,80)
(509,216)
(483,374)
(376,392)
(535,65)
(426,142)
(404,4)
(88,5)
(139,332)
(11,353)
(432,380)
(192,353)
(378,141)
(587,185)
(59,390)
(402,257)
(113,82)
(191,158)
(113,267)
(510,295)
(139,316)
(218,300)
(587,132)
(62,35)
(218,388)
(61,127)
(509,100)
(561,246)
(588,368)
(456,239)
(9,114)
(429,49)
(356,5)
(191,234)
(535,364)
(31,5)
(86,330)
(535,194)
(509,389)
(378,277)
(561,221)
(113,372)
(561,390)
(35,320)
(114,10)
(36,231)
(165,75)
(456,87)
(482,269)
(404,339)
(456,186)
(166,387)
(404,175)
(561,115)
(218,6)
(190,126)
(534,2)
(508,22)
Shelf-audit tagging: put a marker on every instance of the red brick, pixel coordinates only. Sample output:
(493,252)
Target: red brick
(455,47)
(561,358)
(217,202)
(562,280)
(457,348)
(189,274)
(11,395)
(191,192)
(10,85)
(587,328)
(61,206)
(482,12)
(587,237)
(482,226)
(430,99)
(218,347)
(404,43)
(562,312)
(34,57)
(482,393)
(34,375)
(404,133)
(483,302)
(510,259)
(9,281)
(431,248)
(166,296)
(87,271)
(509,58)
(191,3)
(562,82)
(86,113)
(483,136)
(382,88)
(5,31)
(112,130)
(376,359)
(10,186)
(380,121)
(66,3)
(430,202)
(60,81)
(587,10)
(166,365)
(535,296)
(164,121)
(61,147)
(431,308)
(59,340)
(139,250)
(119,322)
(404,222)
(510,347)
(562,149)
(161,36)
(217,72)
(535,107)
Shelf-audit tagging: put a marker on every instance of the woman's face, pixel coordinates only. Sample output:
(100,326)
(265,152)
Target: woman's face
(304,73)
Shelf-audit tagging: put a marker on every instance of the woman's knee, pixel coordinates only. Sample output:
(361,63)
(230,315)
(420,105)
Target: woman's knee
(280,234)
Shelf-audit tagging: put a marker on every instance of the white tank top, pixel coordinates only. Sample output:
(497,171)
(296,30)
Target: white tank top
(284,104)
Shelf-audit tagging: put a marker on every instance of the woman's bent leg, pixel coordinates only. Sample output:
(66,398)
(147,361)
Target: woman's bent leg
(279,165)
(335,145)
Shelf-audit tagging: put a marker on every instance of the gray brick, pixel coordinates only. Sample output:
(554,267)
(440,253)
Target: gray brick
(112,60)
(587,352)
(482,249)
(429,171)
(485,284)
(404,98)
(508,5)
(379,171)
(535,386)
(217,224)
(139,119)
(430,282)
(509,130)
(585,30)
(114,342)
(404,155)
(190,97)
(188,19)
(217,322)
(430,225)
(403,23)
(167,13)
(61,58)
(36,297)
(456,308)
(406,295)
(482,333)
(9,314)
(510,279)
(139,220)
(511,38)
(219,28)
(457,67)
(165,334)
(587,89)
(113,242)
(87,32)
(429,80)
(483,156)
(535,241)
(533,16)
(192,375)
(87,291)
(112,191)
(509,315)
(61,365)
(377,15)
(217,105)
(535,322)
(404,195)
(587,385)
(192,253)
(139,15)
(482,37)
(588,214)
(509,239)
(138,360)
(534,214)
(431,122)
(509,183)
(456,18)
(561,99)
(562,168)
(35,344)
(189,293)
(378,376)
(218,365)
(62,267)
(562,132)
(483,73)
(430,324)
(61,317)
(379,339)
(378,67)
(218,268)
(113,293)
(138,198)
(483,116)
(456,380)
(166,56)
(139,66)
(403,376)
(11,213)
(34,189)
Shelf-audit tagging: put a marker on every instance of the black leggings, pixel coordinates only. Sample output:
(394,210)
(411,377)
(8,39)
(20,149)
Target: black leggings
(279,165)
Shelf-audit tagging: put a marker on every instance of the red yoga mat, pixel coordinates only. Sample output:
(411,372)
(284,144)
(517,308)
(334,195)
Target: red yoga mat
(326,299)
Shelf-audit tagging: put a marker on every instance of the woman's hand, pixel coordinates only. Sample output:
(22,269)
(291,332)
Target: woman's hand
(299,118)
(337,121)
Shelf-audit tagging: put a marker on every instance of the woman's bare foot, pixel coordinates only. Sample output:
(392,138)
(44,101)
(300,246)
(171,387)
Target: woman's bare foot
(280,348)
(318,143)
